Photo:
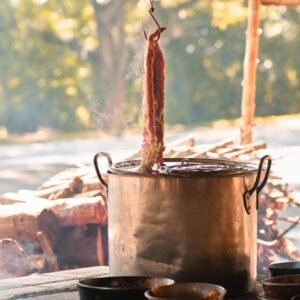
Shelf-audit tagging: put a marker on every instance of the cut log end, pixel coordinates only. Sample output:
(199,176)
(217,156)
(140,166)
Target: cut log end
(13,260)
(48,223)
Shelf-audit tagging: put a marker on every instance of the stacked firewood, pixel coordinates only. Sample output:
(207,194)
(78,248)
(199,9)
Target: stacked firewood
(63,224)
(274,244)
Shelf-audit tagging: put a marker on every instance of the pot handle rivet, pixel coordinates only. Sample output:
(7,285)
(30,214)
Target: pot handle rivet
(109,160)
(258,184)
(247,203)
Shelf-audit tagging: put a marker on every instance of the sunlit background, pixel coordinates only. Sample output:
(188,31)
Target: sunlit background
(76,65)
(72,69)
(71,76)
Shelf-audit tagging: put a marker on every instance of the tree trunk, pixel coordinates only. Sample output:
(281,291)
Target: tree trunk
(6,100)
(112,57)
(250,69)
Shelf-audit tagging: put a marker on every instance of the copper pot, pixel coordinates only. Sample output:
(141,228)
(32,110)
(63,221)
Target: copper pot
(192,220)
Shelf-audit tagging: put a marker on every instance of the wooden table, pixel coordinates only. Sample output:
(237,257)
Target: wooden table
(55,286)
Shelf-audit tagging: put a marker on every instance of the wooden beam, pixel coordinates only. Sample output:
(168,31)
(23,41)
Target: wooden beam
(47,249)
(250,69)
(100,248)
(281,2)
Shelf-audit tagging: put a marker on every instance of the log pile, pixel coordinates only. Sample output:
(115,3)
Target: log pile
(59,226)
(273,244)
(63,224)
(13,260)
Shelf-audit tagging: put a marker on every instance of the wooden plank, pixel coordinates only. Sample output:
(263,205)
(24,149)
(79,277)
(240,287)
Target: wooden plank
(250,70)
(30,292)
(61,296)
(32,280)
(47,284)
(80,273)
(75,296)
(13,293)
(281,2)
(54,276)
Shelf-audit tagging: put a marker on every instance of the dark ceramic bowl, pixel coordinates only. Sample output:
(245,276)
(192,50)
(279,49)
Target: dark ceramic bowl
(283,287)
(286,268)
(118,288)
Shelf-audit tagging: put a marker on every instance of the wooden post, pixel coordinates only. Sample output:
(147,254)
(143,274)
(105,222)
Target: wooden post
(100,249)
(250,68)
(281,2)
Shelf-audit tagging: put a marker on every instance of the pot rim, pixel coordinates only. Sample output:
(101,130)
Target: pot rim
(289,265)
(81,283)
(225,168)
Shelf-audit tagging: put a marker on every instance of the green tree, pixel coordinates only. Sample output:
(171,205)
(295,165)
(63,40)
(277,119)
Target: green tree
(65,64)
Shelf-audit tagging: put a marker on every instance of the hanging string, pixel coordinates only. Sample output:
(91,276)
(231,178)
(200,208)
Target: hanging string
(151,11)
(152,5)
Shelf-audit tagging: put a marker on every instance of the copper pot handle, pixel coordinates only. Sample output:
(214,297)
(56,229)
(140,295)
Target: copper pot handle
(109,160)
(258,184)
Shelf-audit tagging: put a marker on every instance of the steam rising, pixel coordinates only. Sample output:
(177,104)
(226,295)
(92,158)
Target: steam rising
(134,72)
(102,119)
(135,66)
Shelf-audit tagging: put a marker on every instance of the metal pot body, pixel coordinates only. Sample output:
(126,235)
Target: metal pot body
(189,229)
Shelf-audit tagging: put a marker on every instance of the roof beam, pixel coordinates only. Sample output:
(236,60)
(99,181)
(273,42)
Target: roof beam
(281,2)
(250,70)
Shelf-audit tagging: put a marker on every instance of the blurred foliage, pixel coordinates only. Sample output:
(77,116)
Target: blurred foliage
(73,65)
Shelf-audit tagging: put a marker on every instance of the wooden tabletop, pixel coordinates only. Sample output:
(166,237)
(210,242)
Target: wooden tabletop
(55,286)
